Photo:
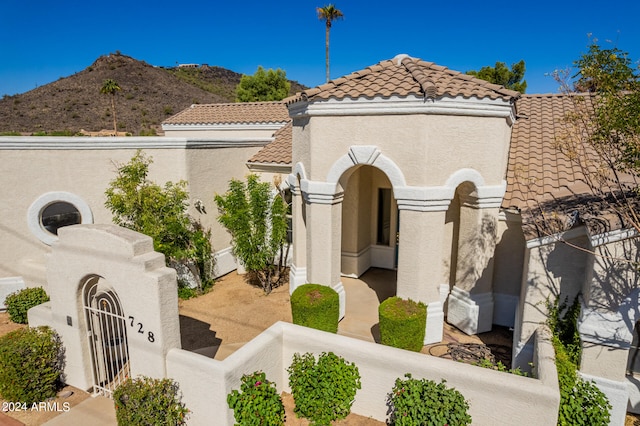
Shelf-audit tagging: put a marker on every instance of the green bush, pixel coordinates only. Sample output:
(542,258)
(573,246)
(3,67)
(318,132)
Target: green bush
(31,362)
(148,401)
(581,402)
(402,323)
(425,402)
(499,366)
(316,306)
(19,302)
(161,212)
(323,391)
(257,403)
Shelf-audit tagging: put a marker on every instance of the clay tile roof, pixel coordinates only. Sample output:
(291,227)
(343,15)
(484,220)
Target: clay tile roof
(405,76)
(537,170)
(278,151)
(232,113)
(542,182)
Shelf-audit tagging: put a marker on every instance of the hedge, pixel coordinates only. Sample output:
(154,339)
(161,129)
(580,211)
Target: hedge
(316,306)
(402,323)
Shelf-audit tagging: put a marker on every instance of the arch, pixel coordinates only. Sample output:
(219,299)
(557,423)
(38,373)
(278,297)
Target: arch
(366,155)
(106,333)
(464,175)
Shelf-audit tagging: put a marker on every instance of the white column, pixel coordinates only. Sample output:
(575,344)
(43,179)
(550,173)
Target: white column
(420,260)
(324,230)
(298,268)
(470,306)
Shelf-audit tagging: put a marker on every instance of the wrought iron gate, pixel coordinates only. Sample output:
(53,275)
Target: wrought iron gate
(107,332)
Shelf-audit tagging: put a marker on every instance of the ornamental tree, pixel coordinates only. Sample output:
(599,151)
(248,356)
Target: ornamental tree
(502,75)
(255,216)
(602,135)
(263,86)
(161,213)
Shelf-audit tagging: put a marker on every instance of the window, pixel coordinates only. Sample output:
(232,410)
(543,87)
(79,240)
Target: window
(384,216)
(54,210)
(59,214)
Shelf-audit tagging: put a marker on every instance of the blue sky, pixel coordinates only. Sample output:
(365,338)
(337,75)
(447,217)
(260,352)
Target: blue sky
(44,40)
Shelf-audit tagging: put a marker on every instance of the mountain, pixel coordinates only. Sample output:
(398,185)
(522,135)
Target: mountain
(148,96)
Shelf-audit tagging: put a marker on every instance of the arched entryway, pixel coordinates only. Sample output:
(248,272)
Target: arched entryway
(107,334)
(368,248)
(471,235)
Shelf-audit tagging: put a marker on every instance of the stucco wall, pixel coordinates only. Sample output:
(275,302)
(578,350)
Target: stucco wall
(84,167)
(615,274)
(28,174)
(222,132)
(427,148)
(205,383)
(507,270)
(209,172)
(552,270)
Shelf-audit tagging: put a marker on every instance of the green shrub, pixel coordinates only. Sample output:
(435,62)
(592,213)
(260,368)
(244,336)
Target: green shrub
(499,366)
(148,401)
(425,402)
(31,362)
(257,403)
(323,391)
(402,323)
(19,302)
(581,402)
(316,306)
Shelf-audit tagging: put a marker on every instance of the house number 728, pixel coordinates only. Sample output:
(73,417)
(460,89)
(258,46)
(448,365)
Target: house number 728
(150,336)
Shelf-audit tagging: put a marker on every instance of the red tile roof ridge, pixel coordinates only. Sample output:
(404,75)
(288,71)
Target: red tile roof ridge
(404,76)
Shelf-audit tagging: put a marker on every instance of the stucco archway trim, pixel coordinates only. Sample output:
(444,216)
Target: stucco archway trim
(486,196)
(297,175)
(366,155)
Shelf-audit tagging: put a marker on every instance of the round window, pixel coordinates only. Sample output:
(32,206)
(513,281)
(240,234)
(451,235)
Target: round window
(59,214)
(54,210)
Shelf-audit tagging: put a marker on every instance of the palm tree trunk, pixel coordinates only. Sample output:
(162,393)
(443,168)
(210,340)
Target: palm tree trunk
(113,109)
(327,51)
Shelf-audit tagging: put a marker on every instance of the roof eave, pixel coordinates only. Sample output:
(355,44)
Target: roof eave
(405,106)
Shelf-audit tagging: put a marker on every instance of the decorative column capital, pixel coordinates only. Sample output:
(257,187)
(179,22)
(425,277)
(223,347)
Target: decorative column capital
(315,192)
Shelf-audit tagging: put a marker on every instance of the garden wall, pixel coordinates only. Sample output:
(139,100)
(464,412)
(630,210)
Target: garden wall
(494,397)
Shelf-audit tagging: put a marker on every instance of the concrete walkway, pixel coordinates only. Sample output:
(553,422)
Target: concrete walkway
(364,295)
(94,411)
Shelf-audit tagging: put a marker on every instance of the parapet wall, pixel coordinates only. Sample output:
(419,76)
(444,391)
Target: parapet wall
(494,397)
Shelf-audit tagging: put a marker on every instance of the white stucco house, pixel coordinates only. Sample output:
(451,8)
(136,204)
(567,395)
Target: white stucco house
(405,165)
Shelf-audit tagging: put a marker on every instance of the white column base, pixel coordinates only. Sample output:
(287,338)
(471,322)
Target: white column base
(471,313)
(618,395)
(339,288)
(435,323)
(444,293)
(297,277)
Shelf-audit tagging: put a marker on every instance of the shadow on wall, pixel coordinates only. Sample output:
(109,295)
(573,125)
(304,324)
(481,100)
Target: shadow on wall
(479,266)
(615,280)
(564,274)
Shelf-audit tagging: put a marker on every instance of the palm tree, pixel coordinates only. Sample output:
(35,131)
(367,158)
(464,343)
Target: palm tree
(110,87)
(328,14)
